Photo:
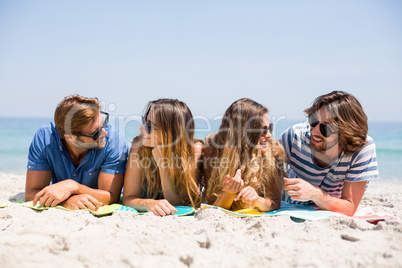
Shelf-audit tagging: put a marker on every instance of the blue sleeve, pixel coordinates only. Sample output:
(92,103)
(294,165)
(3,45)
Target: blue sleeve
(116,154)
(37,159)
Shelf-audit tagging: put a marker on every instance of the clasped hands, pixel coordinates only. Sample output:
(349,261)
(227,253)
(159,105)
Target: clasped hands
(62,193)
(235,186)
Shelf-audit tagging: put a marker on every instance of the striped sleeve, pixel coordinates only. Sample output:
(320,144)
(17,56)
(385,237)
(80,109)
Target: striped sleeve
(364,164)
(286,140)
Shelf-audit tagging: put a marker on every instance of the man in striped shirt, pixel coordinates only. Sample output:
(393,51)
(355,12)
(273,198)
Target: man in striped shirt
(331,158)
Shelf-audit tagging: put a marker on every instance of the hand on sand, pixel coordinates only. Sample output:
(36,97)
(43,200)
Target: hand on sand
(161,207)
(82,201)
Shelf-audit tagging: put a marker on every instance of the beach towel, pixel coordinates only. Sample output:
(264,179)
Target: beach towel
(103,210)
(300,213)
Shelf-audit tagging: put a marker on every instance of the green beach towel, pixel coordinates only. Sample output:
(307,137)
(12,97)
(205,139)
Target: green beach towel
(103,210)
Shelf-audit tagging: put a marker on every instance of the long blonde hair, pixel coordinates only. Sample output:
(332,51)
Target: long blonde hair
(235,147)
(175,120)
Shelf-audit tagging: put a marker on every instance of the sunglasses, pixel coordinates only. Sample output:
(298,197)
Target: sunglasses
(147,125)
(98,131)
(324,128)
(266,129)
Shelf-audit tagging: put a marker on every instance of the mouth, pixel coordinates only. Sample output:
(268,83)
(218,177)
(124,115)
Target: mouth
(264,144)
(315,139)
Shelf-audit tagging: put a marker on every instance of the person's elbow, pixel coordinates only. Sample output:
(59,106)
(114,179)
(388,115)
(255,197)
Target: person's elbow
(30,194)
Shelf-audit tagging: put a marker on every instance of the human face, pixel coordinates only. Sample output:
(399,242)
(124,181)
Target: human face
(87,140)
(318,142)
(153,138)
(266,134)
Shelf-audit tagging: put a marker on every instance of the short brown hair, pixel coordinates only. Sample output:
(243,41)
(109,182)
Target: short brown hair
(74,113)
(348,115)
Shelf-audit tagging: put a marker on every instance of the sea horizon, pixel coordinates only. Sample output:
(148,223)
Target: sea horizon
(17,133)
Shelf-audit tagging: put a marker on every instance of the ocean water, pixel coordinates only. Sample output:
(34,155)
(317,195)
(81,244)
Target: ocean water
(16,135)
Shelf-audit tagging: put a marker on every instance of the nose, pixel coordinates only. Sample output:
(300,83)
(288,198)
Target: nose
(315,130)
(104,132)
(142,128)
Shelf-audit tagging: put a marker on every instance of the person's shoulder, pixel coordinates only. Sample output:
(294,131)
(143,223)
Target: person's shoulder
(369,140)
(46,131)
(300,128)
(115,136)
(296,130)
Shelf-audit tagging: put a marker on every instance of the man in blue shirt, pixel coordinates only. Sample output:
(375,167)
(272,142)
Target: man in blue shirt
(79,161)
(332,156)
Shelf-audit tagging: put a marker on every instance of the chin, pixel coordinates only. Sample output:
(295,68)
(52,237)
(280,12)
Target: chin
(146,143)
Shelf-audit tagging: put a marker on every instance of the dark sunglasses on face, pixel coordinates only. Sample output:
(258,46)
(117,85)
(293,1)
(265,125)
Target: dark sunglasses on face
(324,128)
(147,125)
(266,129)
(98,131)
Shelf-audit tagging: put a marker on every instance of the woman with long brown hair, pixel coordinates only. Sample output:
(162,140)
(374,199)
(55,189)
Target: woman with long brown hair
(243,164)
(162,167)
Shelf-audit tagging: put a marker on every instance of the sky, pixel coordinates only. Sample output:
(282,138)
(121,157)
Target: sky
(282,54)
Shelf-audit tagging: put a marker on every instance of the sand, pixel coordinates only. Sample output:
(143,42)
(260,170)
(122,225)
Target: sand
(58,238)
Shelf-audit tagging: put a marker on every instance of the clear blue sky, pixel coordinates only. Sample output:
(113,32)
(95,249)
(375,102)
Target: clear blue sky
(282,54)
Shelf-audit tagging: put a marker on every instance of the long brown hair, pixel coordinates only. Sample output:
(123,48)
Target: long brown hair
(348,114)
(174,118)
(235,146)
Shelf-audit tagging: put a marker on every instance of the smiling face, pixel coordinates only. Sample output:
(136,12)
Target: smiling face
(154,138)
(89,143)
(320,143)
(264,139)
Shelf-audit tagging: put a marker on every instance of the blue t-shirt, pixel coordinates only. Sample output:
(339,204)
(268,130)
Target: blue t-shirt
(47,152)
(359,166)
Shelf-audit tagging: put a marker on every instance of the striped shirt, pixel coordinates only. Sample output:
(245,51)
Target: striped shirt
(359,166)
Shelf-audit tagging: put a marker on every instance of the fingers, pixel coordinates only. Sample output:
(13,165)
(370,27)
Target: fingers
(239,195)
(237,177)
(90,202)
(226,179)
(163,208)
(38,196)
(248,194)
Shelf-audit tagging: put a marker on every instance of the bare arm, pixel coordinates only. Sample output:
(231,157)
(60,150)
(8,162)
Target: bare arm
(231,187)
(35,182)
(133,188)
(38,189)
(109,188)
(352,194)
(167,188)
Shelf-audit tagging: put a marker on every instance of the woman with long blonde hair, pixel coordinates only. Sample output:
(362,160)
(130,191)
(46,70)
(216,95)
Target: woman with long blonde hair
(162,168)
(243,165)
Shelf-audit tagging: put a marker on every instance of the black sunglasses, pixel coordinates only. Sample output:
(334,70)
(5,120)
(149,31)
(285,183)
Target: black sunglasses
(266,129)
(147,125)
(98,131)
(324,129)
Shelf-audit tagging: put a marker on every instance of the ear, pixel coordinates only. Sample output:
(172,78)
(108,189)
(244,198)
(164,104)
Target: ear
(69,138)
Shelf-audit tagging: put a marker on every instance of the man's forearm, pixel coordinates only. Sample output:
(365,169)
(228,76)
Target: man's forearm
(30,194)
(104,196)
(328,202)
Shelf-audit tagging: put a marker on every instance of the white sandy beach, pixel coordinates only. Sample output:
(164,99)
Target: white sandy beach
(58,238)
